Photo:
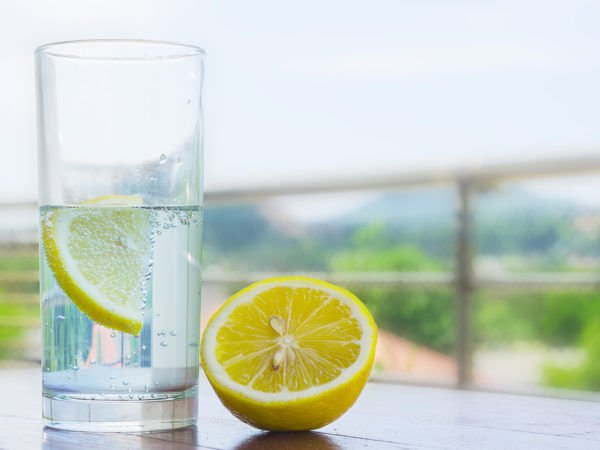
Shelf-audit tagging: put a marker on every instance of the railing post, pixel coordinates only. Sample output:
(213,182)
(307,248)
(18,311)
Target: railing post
(464,283)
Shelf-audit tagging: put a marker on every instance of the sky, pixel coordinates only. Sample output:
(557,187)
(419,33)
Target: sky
(306,90)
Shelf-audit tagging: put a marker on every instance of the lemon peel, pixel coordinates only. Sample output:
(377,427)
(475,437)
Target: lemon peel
(289,353)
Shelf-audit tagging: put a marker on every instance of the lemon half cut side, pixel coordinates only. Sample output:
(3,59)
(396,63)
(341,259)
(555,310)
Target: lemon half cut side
(289,353)
(100,254)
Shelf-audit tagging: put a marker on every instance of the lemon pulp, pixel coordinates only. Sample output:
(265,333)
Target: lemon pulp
(289,353)
(100,253)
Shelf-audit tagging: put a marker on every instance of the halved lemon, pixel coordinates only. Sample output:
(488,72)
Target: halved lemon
(289,353)
(100,253)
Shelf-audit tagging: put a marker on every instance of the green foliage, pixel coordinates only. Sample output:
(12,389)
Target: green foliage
(11,333)
(586,376)
(16,318)
(497,322)
(555,318)
(423,316)
(18,262)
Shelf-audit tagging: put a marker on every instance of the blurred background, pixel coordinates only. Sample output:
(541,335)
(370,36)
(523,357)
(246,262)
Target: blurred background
(440,159)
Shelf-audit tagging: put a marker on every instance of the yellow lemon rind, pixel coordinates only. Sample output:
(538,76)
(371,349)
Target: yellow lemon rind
(308,410)
(117,317)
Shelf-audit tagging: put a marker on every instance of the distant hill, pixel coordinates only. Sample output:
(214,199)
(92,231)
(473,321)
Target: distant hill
(427,206)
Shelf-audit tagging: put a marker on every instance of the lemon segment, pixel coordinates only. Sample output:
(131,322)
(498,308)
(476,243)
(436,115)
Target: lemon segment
(100,255)
(289,353)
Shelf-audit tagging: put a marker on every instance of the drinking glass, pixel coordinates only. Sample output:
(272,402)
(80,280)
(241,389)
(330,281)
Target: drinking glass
(120,196)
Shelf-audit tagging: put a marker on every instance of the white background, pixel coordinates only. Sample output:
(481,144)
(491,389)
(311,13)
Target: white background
(300,90)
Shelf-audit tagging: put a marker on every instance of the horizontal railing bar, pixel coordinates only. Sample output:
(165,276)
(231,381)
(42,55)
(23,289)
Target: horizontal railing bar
(531,279)
(19,322)
(352,278)
(16,298)
(540,279)
(482,175)
(423,279)
(19,276)
(479,175)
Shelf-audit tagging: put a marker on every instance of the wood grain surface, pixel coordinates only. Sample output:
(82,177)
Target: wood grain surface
(386,416)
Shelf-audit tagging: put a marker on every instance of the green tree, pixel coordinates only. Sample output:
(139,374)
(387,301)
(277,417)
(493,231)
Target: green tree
(424,316)
(585,376)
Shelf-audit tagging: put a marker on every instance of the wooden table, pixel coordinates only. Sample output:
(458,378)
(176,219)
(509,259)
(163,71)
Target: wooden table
(386,416)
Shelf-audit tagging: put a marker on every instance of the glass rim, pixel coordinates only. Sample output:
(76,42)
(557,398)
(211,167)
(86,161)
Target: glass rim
(184,50)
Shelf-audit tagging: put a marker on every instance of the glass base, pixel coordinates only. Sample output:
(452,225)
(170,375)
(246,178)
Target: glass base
(119,416)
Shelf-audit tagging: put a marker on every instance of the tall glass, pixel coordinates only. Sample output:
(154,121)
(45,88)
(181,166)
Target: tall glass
(120,195)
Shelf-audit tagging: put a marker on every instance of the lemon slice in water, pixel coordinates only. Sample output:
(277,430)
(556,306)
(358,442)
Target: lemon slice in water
(100,253)
(289,353)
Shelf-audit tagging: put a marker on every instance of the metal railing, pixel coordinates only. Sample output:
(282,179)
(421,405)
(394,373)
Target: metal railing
(467,181)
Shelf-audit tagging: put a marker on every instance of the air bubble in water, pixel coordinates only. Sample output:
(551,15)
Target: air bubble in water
(162,159)
(92,362)
(60,317)
(113,334)
(143,347)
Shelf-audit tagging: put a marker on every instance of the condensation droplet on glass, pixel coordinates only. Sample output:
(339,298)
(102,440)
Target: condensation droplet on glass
(179,160)
(125,383)
(143,347)
(164,343)
(93,361)
(162,159)
(113,334)
(173,333)
(60,317)
(188,101)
